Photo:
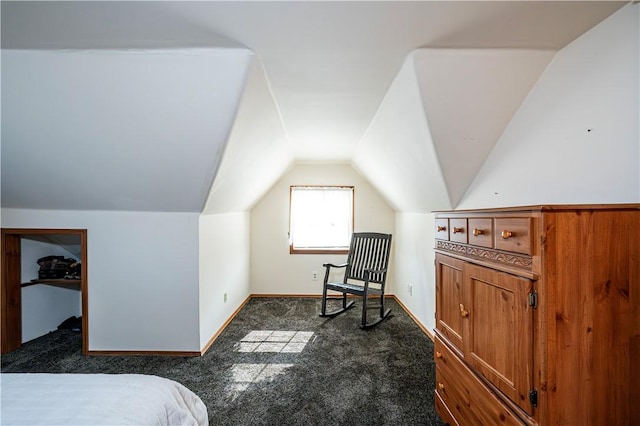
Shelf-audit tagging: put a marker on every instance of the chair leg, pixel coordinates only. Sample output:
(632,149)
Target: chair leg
(345,305)
(384,313)
(364,310)
(324,300)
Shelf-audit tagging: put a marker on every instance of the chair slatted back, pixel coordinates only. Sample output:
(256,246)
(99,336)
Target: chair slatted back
(368,250)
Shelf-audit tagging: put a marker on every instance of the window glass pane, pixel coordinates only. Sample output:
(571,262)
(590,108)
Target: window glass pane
(321,217)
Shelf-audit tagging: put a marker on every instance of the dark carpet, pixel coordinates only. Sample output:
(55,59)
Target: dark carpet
(330,372)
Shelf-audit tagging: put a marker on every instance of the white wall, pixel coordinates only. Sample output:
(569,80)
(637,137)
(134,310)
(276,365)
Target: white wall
(142,275)
(44,307)
(414,265)
(575,139)
(273,269)
(224,268)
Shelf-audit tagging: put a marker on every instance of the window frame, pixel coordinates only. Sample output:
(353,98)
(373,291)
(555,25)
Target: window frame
(320,250)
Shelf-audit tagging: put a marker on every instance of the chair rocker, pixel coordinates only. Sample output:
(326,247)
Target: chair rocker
(367,264)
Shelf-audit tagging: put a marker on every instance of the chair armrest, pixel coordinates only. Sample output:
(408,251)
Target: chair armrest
(331,265)
(372,271)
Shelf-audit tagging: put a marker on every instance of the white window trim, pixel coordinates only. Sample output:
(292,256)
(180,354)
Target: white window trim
(321,249)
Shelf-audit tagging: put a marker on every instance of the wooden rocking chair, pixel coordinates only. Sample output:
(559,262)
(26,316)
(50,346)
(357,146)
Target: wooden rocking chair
(367,264)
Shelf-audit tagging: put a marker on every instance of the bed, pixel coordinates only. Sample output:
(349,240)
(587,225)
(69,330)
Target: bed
(97,399)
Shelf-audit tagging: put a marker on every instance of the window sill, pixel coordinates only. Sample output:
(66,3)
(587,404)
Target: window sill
(293,250)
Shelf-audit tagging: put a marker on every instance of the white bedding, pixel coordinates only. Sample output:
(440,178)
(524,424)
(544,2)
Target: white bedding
(97,399)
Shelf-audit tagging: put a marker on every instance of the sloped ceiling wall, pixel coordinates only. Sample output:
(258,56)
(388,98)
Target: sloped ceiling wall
(576,138)
(447,119)
(397,154)
(258,152)
(116,130)
(468,111)
(144,103)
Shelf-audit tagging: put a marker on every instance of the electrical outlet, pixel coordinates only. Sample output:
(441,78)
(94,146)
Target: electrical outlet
(225,298)
(410,289)
(314,275)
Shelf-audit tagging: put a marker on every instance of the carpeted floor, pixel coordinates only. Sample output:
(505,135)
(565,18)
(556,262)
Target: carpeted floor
(310,371)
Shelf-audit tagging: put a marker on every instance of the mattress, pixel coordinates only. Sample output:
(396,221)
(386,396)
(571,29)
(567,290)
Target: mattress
(97,399)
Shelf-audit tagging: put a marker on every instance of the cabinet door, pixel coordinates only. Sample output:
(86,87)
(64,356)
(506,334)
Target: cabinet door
(448,299)
(498,330)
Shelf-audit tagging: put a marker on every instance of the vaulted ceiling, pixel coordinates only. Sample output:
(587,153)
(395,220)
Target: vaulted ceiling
(201,106)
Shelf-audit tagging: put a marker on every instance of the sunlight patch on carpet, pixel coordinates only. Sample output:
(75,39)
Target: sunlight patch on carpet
(244,375)
(274,341)
(265,341)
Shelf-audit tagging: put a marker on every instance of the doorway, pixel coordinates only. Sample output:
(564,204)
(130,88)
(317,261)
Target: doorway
(11,283)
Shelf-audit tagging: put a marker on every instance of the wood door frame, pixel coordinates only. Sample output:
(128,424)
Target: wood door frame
(10,285)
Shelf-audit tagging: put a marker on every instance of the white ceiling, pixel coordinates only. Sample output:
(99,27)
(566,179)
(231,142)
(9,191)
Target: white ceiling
(322,72)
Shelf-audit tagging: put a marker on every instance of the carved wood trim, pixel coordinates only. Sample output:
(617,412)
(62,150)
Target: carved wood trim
(457,248)
(519,261)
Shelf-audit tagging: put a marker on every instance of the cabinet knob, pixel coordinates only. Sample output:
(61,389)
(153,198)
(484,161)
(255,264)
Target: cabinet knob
(457,230)
(507,234)
(441,228)
(477,232)
(441,386)
(463,311)
(438,354)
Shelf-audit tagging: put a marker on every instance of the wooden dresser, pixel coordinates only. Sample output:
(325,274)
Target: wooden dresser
(538,315)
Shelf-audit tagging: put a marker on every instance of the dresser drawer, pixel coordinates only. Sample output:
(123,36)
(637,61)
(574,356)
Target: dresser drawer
(481,232)
(458,230)
(442,229)
(465,397)
(443,411)
(513,234)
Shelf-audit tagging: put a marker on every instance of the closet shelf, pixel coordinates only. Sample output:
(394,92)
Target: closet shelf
(62,282)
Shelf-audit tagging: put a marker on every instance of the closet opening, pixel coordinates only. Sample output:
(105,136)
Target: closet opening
(35,300)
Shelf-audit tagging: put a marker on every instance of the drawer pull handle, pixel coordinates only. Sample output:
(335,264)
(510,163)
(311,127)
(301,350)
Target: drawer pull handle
(457,230)
(441,228)
(438,354)
(463,311)
(507,234)
(477,232)
(441,386)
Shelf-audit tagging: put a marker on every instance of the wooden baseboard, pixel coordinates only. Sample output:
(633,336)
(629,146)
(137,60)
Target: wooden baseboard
(225,325)
(424,329)
(176,353)
(317,296)
(145,353)
(285,295)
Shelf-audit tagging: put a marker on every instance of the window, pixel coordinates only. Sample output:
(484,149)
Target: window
(320,219)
